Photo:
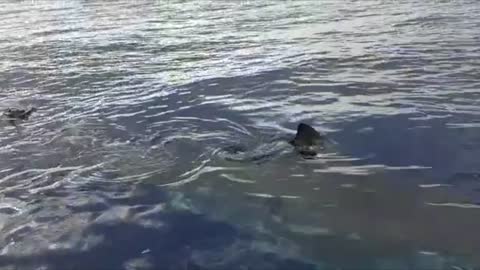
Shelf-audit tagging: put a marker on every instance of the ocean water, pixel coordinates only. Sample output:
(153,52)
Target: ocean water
(160,136)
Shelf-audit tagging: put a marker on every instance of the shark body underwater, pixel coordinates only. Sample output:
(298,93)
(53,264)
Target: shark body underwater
(307,142)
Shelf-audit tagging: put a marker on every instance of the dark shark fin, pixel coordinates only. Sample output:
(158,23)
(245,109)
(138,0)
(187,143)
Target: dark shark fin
(306,136)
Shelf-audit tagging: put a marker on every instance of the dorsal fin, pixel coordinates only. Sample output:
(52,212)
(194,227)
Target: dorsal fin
(306,136)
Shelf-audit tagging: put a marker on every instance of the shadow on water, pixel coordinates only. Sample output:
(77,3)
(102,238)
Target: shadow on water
(358,228)
(179,239)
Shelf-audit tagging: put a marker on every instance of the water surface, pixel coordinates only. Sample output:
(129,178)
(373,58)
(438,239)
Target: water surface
(126,163)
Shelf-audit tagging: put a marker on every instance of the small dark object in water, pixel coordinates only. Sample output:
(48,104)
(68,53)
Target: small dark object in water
(307,141)
(19,114)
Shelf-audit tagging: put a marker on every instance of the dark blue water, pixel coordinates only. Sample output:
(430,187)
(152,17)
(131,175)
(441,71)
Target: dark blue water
(160,136)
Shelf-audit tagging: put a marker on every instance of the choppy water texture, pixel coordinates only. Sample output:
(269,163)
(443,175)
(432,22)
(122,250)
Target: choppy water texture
(159,140)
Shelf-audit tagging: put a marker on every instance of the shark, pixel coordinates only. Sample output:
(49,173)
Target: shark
(19,114)
(14,115)
(307,142)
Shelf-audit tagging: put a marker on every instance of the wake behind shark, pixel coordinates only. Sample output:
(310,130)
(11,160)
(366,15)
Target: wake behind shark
(307,142)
